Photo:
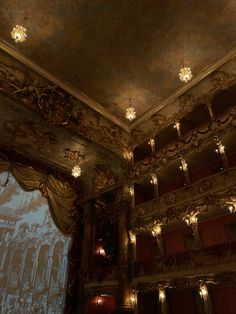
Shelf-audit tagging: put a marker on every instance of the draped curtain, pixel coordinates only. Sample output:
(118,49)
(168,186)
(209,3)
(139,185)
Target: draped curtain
(60,194)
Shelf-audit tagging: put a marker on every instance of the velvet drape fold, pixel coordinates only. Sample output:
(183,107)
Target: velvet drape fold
(60,194)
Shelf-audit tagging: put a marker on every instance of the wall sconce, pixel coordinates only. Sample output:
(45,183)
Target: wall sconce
(152,143)
(98,301)
(203,291)
(177,125)
(153,179)
(156,229)
(191,218)
(231,205)
(128,155)
(131,190)
(132,237)
(184,165)
(162,294)
(133,298)
(100,251)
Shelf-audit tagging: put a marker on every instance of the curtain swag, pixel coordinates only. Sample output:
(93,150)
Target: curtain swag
(60,194)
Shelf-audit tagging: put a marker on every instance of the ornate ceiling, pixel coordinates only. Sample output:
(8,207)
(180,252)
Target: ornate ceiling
(106,52)
(65,90)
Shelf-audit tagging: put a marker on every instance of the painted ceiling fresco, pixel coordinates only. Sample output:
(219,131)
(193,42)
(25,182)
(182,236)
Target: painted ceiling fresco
(116,50)
(33,253)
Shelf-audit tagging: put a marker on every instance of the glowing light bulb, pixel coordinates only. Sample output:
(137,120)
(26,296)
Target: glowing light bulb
(185,74)
(76,171)
(19,34)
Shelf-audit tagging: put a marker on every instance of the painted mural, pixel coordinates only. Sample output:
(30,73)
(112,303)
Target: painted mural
(33,253)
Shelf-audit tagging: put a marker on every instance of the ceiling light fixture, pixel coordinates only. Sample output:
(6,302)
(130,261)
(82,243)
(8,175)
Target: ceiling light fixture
(19,34)
(185,74)
(76,171)
(130,112)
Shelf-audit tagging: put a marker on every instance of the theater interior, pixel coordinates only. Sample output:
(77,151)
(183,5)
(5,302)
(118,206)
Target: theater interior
(118,157)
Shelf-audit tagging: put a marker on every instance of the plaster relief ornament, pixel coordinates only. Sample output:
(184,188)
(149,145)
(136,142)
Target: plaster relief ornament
(104,178)
(73,154)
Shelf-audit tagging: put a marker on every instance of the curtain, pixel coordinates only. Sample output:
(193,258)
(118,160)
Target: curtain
(60,194)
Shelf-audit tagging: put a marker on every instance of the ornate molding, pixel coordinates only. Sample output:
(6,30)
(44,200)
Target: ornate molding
(58,107)
(62,84)
(184,88)
(184,104)
(189,263)
(101,110)
(207,195)
(107,287)
(194,141)
(227,278)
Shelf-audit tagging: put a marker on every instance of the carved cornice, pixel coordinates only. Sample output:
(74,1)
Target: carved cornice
(100,109)
(63,85)
(220,279)
(106,287)
(58,107)
(208,195)
(188,263)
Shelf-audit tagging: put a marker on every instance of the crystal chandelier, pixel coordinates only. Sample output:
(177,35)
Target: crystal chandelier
(19,34)
(76,171)
(185,74)
(130,112)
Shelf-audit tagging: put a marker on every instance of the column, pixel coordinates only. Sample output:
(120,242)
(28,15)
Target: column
(124,294)
(86,254)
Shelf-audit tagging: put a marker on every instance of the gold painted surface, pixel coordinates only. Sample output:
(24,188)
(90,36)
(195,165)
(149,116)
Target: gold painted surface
(33,253)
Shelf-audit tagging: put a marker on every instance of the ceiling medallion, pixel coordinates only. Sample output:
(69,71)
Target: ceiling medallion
(130,112)
(76,171)
(185,74)
(19,34)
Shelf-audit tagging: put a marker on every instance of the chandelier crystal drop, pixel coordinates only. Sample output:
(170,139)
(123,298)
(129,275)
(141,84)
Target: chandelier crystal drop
(185,74)
(76,171)
(19,34)
(130,113)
